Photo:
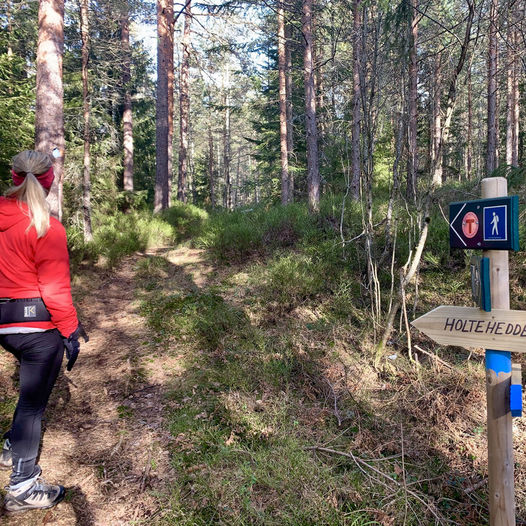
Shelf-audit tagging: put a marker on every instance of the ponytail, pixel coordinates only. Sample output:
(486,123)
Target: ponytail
(30,191)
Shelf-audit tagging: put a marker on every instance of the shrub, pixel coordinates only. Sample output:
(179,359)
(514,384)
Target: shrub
(186,220)
(116,236)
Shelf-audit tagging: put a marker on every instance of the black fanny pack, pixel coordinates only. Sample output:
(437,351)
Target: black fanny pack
(23,310)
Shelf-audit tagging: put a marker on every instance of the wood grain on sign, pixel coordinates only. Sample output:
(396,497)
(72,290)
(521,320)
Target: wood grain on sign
(469,327)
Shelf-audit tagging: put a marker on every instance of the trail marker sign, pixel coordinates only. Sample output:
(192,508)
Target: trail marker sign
(490,224)
(485,224)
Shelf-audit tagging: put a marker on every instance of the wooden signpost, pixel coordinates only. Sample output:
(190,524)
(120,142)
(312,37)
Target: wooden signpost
(489,224)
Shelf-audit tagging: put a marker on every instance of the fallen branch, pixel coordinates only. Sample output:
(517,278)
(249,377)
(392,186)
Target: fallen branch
(363,464)
(439,360)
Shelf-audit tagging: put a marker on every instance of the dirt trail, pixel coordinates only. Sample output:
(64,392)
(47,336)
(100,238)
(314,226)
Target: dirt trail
(105,438)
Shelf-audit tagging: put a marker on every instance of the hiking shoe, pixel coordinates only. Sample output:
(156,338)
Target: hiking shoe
(31,495)
(6,457)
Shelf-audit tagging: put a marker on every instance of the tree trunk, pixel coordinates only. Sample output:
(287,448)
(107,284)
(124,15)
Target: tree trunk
(491,159)
(86,177)
(356,114)
(211,181)
(469,135)
(442,133)
(288,86)
(436,122)
(171,84)
(127,120)
(238,186)
(226,143)
(283,122)
(184,106)
(163,107)
(412,161)
(512,78)
(9,6)
(49,111)
(313,175)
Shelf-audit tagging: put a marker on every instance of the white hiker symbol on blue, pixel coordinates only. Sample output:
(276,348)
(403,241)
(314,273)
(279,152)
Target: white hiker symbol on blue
(495,225)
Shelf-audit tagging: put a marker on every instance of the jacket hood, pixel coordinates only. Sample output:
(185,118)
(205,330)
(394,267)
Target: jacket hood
(11,213)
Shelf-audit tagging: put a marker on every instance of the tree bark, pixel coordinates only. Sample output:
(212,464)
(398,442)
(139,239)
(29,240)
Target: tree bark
(412,161)
(226,142)
(49,111)
(356,124)
(469,135)
(86,176)
(436,121)
(313,175)
(283,121)
(442,133)
(288,86)
(491,158)
(9,6)
(512,84)
(164,109)
(211,180)
(184,106)
(127,119)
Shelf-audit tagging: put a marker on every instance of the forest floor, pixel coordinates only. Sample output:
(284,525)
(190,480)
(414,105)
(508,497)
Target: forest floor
(200,400)
(105,440)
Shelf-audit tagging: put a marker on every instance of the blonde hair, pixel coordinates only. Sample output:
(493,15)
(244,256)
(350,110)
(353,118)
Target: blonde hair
(31,192)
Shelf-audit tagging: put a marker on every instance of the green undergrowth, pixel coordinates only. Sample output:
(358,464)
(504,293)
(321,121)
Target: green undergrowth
(122,234)
(238,423)
(277,358)
(257,392)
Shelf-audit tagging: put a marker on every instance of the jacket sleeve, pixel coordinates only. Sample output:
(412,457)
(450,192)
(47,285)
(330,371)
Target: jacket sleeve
(52,265)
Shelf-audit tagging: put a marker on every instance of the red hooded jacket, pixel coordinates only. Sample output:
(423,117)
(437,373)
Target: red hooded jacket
(32,268)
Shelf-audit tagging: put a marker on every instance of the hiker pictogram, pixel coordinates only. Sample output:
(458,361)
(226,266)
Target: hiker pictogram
(495,223)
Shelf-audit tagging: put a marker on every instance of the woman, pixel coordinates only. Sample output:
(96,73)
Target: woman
(37,320)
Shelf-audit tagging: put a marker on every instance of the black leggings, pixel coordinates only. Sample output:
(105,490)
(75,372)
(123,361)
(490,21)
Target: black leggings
(40,355)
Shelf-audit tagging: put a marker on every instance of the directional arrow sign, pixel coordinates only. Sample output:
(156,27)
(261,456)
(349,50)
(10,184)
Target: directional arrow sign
(500,330)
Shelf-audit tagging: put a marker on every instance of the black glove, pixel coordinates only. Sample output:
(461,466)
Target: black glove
(72,346)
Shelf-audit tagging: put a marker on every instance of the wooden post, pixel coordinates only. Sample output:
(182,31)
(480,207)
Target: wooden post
(498,381)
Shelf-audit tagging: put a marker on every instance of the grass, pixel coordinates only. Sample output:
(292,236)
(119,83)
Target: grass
(122,234)
(267,353)
(277,358)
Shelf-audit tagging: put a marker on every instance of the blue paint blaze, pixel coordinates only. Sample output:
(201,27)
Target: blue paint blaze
(516,400)
(498,361)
